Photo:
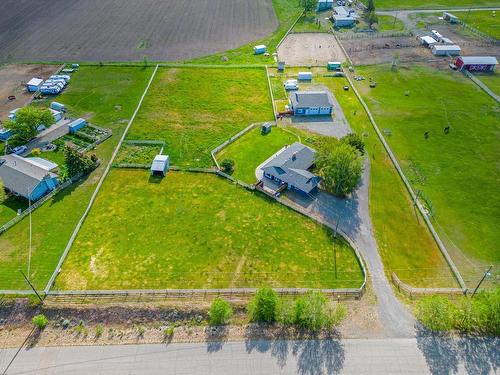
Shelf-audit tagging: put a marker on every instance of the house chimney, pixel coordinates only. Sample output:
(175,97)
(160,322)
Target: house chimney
(294,156)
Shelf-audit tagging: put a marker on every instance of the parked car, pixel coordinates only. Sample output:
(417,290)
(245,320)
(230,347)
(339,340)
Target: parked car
(19,150)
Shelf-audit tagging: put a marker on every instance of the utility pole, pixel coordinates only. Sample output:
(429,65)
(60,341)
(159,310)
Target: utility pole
(31,286)
(486,274)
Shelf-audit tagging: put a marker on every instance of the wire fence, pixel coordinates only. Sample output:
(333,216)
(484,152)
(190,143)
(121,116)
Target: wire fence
(373,35)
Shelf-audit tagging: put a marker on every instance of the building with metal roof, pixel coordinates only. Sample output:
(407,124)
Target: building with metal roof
(446,50)
(308,103)
(160,165)
(34,84)
(28,177)
(477,63)
(290,168)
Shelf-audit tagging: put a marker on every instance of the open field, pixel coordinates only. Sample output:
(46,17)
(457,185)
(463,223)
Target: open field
(433,4)
(252,149)
(195,110)
(108,96)
(389,23)
(456,172)
(113,30)
(196,230)
(286,12)
(484,20)
(310,23)
(491,80)
(405,244)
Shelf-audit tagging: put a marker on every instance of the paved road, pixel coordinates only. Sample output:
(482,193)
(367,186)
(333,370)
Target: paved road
(386,356)
(355,221)
(49,135)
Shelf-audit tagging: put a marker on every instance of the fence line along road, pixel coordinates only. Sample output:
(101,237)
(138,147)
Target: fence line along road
(406,182)
(420,292)
(98,187)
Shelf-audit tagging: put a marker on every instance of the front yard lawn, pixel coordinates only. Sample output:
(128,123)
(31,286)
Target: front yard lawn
(196,230)
(252,149)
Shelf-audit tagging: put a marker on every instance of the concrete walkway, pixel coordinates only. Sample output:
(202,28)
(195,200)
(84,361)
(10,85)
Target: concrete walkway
(421,355)
(354,220)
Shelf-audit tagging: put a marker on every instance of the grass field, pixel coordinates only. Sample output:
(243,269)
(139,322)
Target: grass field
(432,4)
(286,12)
(309,23)
(108,95)
(254,148)
(491,80)
(484,20)
(195,230)
(458,173)
(389,23)
(195,110)
(404,242)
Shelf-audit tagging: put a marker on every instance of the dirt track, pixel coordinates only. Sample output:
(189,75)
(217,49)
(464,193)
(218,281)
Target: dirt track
(310,49)
(117,30)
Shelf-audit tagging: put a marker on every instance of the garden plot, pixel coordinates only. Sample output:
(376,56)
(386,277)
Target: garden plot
(300,49)
(197,230)
(113,30)
(138,153)
(196,109)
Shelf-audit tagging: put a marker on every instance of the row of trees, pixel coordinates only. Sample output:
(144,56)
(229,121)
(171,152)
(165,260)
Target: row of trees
(311,311)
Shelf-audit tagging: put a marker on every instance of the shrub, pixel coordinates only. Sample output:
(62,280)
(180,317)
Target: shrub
(140,331)
(168,332)
(310,311)
(40,321)
(65,323)
(286,312)
(80,329)
(36,152)
(227,165)
(436,313)
(264,305)
(220,312)
(98,331)
(335,314)
(3,193)
(355,141)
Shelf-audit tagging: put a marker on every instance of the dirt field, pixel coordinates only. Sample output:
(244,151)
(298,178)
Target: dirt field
(367,51)
(12,80)
(116,30)
(310,49)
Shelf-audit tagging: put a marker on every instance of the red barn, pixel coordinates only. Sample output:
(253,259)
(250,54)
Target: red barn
(476,63)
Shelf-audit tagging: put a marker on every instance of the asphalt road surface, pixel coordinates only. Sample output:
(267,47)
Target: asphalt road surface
(421,355)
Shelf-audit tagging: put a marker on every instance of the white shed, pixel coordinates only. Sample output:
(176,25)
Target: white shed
(446,50)
(34,84)
(160,165)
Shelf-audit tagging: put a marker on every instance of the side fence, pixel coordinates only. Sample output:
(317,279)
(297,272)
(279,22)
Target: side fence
(481,85)
(374,35)
(420,292)
(414,197)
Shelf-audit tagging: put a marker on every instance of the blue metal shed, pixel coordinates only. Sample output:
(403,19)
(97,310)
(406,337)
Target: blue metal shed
(58,106)
(260,49)
(77,125)
(160,165)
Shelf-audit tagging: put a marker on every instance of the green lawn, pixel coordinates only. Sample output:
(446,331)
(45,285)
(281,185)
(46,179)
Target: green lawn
(432,4)
(109,96)
(405,244)
(252,149)
(137,153)
(484,20)
(195,110)
(196,230)
(287,12)
(389,23)
(309,23)
(490,80)
(458,173)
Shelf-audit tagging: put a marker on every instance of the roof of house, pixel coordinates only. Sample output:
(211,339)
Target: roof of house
(291,166)
(488,60)
(303,99)
(22,175)
(159,163)
(450,47)
(35,82)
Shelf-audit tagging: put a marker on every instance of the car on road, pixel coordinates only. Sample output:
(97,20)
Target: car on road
(19,150)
